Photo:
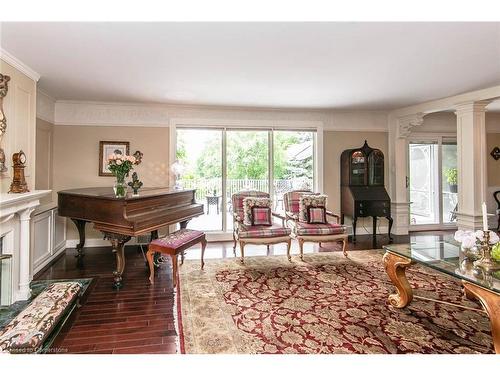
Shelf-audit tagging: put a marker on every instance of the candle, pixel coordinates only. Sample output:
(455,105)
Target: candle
(485,218)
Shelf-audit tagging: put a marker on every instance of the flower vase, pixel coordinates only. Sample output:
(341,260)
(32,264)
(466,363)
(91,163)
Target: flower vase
(120,187)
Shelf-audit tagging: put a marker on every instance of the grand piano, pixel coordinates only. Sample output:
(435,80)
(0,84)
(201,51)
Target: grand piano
(119,219)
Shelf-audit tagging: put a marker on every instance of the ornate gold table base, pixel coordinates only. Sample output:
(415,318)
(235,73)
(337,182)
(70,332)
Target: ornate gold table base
(396,265)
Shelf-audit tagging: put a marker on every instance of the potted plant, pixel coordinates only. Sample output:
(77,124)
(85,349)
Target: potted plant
(451,178)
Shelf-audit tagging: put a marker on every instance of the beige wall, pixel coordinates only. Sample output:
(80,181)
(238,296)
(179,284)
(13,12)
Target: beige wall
(334,142)
(20,111)
(44,158)
(76,158)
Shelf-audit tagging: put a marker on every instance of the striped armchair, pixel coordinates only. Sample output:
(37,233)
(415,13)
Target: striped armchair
(243,233)
(311,232)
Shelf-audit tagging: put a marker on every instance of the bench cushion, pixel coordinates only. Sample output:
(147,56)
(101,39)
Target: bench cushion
(177,239)
(27,332)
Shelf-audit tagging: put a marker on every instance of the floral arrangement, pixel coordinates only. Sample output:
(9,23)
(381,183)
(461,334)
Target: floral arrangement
(469,239)
(120,165)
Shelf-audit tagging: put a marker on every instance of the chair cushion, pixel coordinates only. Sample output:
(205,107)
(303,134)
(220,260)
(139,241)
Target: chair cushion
(306,201)
(249,203)
(261,216)
(291,200)
(27,332)
(237,201)
(178,238)
(306,229)
(259,231)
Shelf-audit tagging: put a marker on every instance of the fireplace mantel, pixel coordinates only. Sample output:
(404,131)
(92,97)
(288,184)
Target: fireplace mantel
(13,203)
(15,216)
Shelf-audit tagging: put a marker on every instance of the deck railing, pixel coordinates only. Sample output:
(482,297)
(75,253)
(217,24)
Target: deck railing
(209,186)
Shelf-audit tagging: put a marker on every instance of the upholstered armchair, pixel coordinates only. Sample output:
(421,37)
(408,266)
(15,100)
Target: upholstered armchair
(307,217)
(253,222)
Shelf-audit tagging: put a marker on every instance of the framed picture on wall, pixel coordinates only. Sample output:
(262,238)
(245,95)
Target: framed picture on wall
(107,148)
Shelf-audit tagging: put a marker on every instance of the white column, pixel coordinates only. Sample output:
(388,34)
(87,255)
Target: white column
(400,128)
(471,154)
(24,290)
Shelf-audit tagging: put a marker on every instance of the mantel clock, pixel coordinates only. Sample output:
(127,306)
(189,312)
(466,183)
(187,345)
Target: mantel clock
(19,184)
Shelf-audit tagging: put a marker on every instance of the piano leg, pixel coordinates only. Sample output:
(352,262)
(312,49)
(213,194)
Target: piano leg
(118,242)
(184,224)
(156,256)
(80,225)
(374,235)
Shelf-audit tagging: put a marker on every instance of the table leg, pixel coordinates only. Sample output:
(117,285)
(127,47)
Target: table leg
(395,267)
(118,242)
(491,303)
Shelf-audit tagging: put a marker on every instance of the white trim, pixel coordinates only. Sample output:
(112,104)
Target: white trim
(246,123)
(19,65)
(45,107)
(163,115)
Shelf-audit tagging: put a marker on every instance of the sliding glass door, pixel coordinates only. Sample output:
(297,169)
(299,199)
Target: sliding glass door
(200,152)
(221,162)
(293,164)
(432,182)
(247,155)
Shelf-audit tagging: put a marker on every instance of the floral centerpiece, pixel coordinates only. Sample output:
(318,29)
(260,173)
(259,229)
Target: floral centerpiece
(469,239)
(120,165)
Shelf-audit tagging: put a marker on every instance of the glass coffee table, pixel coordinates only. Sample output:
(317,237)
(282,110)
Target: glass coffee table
(444,257)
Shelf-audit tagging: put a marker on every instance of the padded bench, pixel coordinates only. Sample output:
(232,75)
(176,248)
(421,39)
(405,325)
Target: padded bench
(36,326)
(173,245)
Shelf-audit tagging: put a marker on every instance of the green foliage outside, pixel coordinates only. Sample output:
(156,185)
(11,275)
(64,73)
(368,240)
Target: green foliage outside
(451,176)
(247,155)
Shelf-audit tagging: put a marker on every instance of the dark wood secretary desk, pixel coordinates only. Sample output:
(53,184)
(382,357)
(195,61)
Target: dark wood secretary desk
(362,187)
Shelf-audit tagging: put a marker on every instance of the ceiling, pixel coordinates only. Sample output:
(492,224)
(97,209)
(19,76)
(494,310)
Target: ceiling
(302,65)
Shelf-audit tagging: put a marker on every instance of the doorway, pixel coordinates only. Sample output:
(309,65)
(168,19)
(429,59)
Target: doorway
(432,183)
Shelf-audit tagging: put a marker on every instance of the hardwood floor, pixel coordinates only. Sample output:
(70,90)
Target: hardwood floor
(139,318)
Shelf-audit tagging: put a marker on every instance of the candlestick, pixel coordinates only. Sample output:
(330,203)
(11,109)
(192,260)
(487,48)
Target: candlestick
(485,218)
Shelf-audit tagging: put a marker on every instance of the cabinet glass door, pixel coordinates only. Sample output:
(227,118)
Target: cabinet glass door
(376,171)
(358,168)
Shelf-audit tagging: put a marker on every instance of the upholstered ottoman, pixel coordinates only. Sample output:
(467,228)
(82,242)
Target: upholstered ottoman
(32,327)
(173,245)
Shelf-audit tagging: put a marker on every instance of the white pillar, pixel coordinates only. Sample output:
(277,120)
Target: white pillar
(471,154)
(24,290)
(400,129)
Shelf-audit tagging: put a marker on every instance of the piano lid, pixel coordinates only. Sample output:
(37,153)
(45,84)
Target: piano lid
(108,192)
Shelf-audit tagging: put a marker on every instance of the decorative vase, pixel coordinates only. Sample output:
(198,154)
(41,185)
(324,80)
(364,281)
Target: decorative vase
(120,187)
(471,254)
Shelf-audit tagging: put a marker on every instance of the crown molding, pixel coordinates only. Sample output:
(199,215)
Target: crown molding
(19,65)
(85,113)
(45,106)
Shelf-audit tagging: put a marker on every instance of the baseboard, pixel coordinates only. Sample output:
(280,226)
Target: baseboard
(96,242)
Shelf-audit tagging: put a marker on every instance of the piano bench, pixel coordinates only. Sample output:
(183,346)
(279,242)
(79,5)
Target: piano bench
(173,245)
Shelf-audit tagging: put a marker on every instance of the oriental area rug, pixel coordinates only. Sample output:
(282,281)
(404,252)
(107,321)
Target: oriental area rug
(326,304)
